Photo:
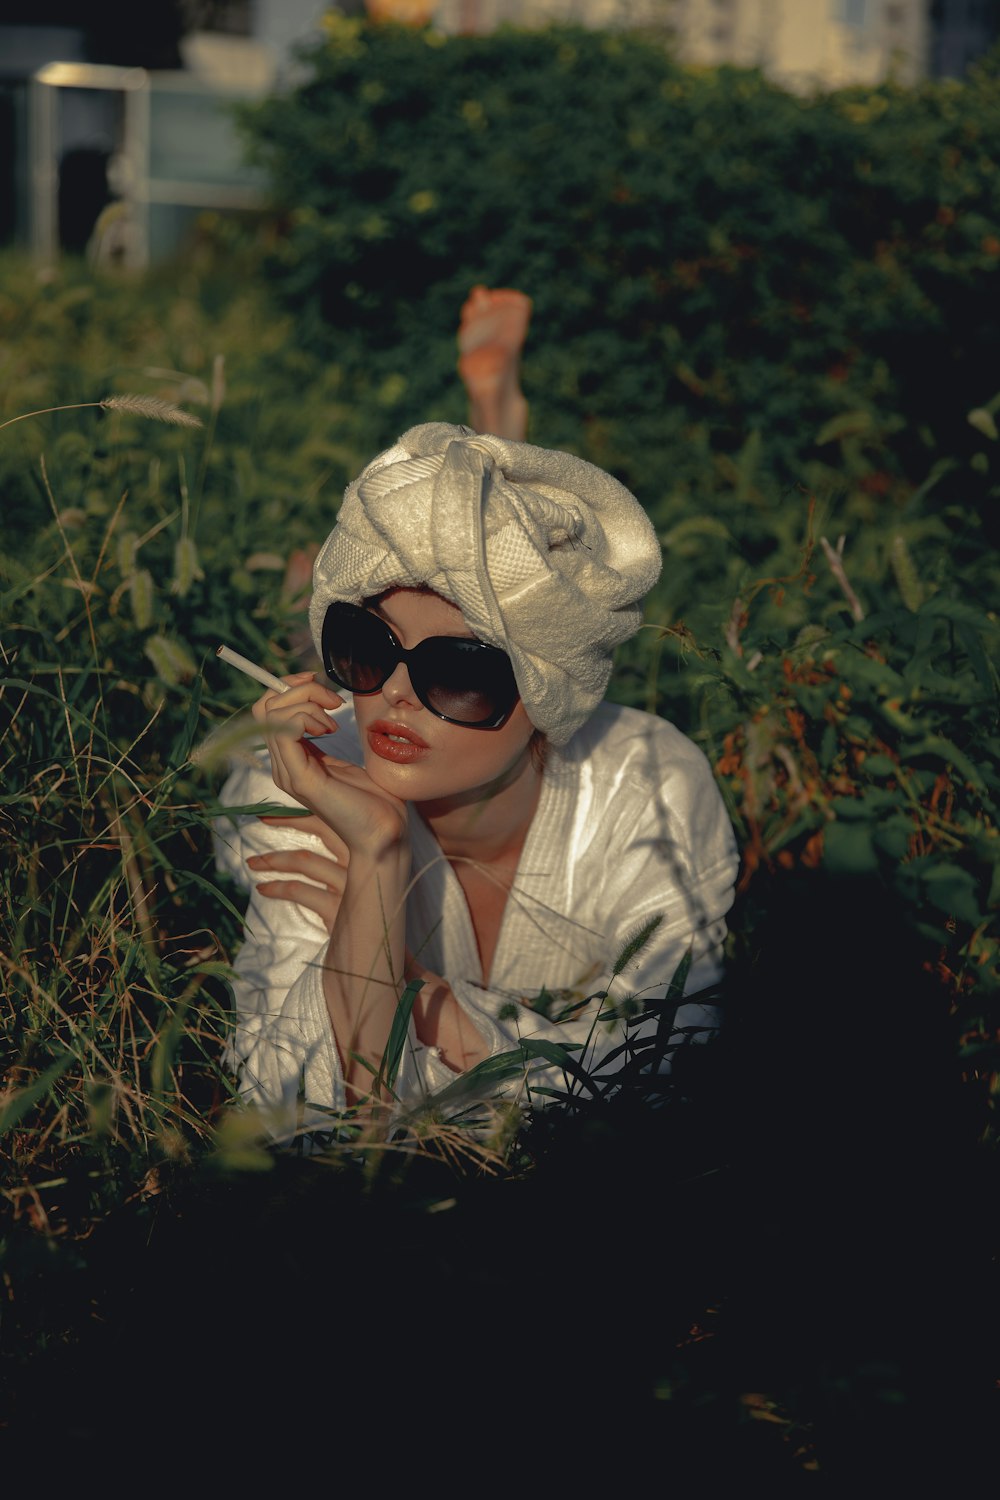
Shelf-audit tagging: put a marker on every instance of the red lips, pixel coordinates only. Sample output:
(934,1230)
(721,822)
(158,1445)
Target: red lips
(396,742)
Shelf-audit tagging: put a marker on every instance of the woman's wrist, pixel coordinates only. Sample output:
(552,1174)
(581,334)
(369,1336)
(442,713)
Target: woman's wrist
(361,1016)
(364,970)
(383,840)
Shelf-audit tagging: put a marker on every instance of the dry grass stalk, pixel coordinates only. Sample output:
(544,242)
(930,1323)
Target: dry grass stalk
(834,557)
(153,407)
(140,406)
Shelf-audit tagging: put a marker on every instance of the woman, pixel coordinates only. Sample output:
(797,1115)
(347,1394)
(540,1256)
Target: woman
(480,821)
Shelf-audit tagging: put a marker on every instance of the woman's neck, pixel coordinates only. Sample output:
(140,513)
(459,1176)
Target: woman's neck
(489,823)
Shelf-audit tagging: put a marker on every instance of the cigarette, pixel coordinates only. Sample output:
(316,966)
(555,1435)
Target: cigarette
(259,674)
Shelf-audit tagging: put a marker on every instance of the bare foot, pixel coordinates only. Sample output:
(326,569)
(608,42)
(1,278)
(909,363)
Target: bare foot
(402,12)
(491,334)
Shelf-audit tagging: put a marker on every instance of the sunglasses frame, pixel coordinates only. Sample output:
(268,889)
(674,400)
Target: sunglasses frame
(411,658)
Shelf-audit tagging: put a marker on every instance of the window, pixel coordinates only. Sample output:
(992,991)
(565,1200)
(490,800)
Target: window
(851,12)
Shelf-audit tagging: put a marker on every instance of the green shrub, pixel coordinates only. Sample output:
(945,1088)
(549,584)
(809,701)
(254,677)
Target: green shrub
(728,280)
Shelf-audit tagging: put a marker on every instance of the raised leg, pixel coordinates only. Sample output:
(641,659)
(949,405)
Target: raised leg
(491,334)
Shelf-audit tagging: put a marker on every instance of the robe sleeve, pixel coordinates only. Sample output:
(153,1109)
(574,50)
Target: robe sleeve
(282,1046)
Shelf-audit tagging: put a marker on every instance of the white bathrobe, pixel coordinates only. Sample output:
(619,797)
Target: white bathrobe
(629,826)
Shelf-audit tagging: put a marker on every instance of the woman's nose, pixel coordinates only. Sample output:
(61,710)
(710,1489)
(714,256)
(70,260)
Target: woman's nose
(398,689)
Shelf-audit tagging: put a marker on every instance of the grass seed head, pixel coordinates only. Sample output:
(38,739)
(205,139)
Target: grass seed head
(152,407)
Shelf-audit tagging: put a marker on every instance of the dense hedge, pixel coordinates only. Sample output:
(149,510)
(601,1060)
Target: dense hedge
(726,277)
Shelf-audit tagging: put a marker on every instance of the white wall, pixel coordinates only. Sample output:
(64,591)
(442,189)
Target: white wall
(280,24)
(808,43)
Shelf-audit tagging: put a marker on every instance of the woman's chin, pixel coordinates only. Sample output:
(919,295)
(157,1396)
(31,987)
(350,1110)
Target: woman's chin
(384,773)
(402,779)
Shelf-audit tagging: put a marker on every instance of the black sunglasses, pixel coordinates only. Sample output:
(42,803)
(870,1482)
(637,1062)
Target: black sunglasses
(461,680)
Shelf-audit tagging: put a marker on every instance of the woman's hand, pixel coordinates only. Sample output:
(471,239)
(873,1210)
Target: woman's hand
(368,820)
(364,957)
(440,1021)
(334,844)
(318,879)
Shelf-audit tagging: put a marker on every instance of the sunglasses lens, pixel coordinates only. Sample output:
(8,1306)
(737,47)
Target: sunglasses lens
(357,649)
(464,681)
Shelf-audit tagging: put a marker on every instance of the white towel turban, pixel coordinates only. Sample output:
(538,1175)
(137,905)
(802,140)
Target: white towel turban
(545,555)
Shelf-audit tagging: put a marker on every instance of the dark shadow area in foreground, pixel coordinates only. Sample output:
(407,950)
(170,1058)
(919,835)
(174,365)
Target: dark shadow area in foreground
(811,1225)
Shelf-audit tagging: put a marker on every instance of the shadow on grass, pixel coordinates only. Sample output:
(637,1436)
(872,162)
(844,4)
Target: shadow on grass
(782,1276)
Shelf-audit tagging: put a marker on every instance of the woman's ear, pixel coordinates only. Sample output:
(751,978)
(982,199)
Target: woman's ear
(538,749)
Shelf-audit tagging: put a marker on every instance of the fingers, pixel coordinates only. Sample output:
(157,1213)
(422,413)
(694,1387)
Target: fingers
(325,904)
(318,829)
(288,716)
(319,782)
(299,708)
(337,791)
(320,889)
(322,868)
(294,720)
(296,679)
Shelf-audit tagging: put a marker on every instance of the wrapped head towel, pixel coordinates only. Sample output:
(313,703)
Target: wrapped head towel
(545,555)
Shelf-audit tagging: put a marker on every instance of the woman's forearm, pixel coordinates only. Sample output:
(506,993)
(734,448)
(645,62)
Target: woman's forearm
(363,975)
(441,1022)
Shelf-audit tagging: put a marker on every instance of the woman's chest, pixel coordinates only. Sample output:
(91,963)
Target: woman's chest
(533,922)
(516,941)
(486,891)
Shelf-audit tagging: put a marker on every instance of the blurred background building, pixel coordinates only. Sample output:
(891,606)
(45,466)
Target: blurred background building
(115,133)
(961,31)
(806,44)
(801,44)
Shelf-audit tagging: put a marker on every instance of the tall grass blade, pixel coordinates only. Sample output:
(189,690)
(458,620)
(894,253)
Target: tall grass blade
(675,989)
(19,1104)
(393,1054)
(554,1052)
(475,1086)
(181,748)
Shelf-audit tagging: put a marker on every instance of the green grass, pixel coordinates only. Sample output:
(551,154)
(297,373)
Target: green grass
(848,701)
